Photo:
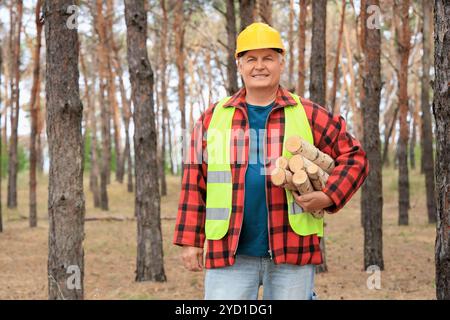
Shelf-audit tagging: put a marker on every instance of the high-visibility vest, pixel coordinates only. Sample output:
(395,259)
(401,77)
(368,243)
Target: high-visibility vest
(219,184)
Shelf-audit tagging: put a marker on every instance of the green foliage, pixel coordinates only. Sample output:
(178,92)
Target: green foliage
(22,157)
(4,161)
(87,149)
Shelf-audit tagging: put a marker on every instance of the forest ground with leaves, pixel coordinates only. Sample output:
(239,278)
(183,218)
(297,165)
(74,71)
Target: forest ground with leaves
(110,249)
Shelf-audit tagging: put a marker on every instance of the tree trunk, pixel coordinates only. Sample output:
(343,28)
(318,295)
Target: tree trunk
(147,201)
(66,206)
(164,35)
(247,12)
(16,22)
(336,65)
(179,28)
(1,150)
(129,162)
(6,99)
(441,110)
(387,138)
(209,76)
(105,108)
(40,127)
(126,107)
(301,47)
(106,146)
(427,131)
(291,85)
(265,11)
(412,141)
(94,172)
(403,34)
(169,134)
(372,190)
(317,85)
(231,43)
(35,95)
(112,91)
(356,111)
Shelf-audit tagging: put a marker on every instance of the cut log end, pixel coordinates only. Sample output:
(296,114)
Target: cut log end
(282,162)
(312,169)
(293,144)
(278,177)
(296,163)
(299,177)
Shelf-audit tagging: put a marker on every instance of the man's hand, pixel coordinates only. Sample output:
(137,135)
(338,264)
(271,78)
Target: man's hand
(312,201)
(192,258)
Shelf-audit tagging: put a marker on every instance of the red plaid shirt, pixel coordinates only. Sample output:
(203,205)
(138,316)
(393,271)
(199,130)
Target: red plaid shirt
(330,136)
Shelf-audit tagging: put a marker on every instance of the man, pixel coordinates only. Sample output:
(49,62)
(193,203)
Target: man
(254,235)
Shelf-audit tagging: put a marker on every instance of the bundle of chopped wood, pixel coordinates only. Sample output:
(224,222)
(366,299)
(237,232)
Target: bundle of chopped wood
(306,171)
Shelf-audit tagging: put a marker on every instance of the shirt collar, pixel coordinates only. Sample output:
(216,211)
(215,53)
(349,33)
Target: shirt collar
(283,99)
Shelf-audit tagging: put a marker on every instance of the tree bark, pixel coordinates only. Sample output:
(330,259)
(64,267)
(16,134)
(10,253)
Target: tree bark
(317,85)
(336,65)
(372,190)
(6,99)
(231,42)
(16,30)
(92,129)
(247,12)
(129,163)
(427,131)
(35,95)
(112,91)
(1,150)
(126,108)
(169,134)
(356,111)
(66,206)
(164,36)
(147,201)
(317,88)
(301,47)
(179,29)
(265,11)
(403,48)
(412,141)
(105,108)
(441,110)
(385,159)
(291,85)
(40,127)
(106,145)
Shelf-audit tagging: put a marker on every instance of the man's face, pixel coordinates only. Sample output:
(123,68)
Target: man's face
(261,68)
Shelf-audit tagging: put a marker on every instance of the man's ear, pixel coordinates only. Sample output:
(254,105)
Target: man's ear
(239,65)
(283,62)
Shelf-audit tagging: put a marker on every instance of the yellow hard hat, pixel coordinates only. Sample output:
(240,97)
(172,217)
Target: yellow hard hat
(258,35)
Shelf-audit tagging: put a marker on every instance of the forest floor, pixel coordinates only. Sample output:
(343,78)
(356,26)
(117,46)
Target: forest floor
(110,249)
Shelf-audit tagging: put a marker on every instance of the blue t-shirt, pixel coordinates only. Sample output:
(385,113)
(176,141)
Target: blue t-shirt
(254,238)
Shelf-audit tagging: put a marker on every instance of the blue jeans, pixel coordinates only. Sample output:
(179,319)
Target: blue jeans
(242,280)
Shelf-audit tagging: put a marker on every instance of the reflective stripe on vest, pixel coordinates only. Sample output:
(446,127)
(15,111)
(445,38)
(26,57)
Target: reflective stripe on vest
(219,184)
